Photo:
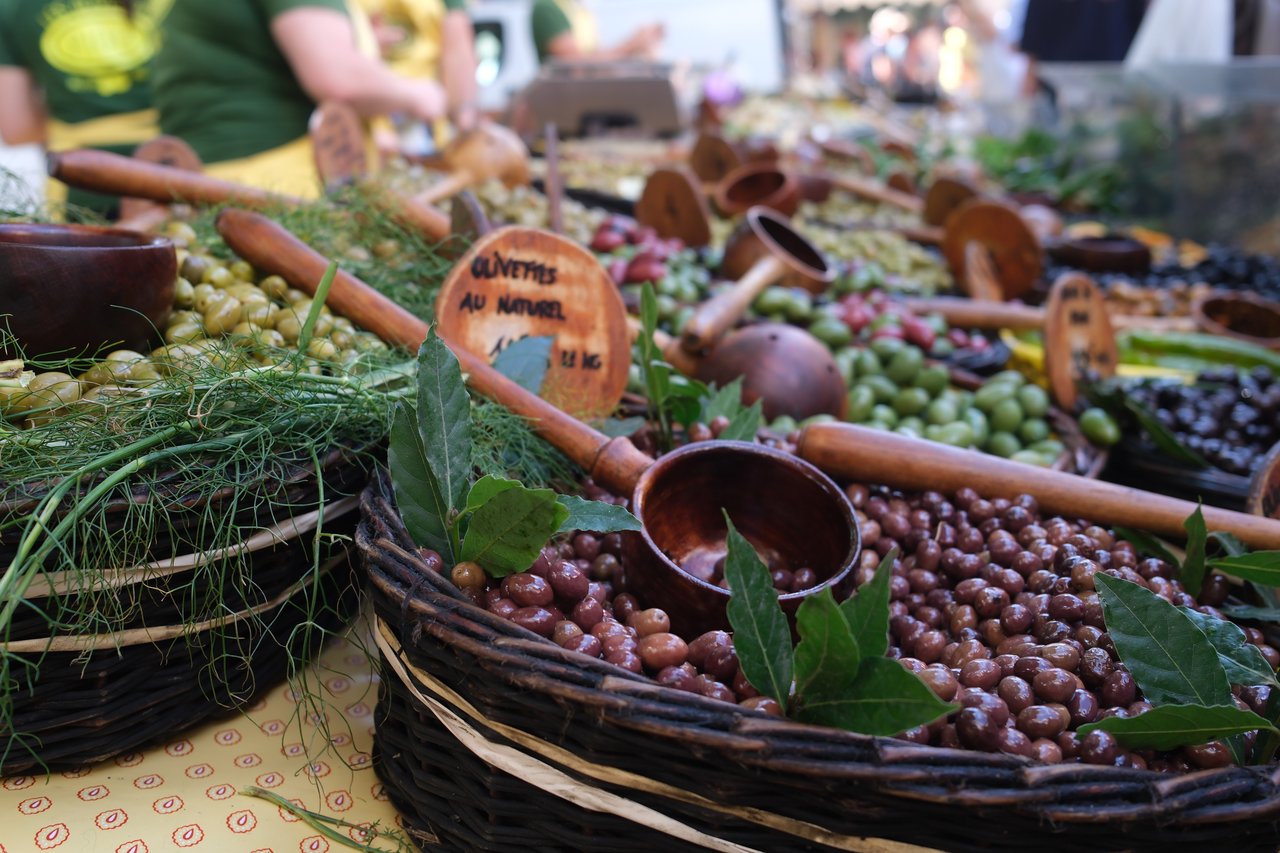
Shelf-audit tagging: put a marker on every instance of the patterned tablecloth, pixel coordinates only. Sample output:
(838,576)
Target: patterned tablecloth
(188,793)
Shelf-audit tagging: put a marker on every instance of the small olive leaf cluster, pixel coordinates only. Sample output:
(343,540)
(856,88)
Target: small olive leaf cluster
(679,399)
(496,522)
(1260,568)
(837,675)
(1185,663)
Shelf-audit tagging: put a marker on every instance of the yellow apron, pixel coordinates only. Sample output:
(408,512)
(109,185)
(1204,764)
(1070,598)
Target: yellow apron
(291,168)
(420,55)
(583,22)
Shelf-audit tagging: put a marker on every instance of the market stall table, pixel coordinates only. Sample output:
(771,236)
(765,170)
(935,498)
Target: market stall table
(190,791)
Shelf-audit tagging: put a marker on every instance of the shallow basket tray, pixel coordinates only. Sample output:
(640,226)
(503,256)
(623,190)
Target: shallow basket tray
(492,738)
(82,698)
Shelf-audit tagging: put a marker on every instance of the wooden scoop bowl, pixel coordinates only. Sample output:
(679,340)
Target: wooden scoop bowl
(487,151)
(762,251)
(788,509)
(70,290)
(854,452)
(789,370)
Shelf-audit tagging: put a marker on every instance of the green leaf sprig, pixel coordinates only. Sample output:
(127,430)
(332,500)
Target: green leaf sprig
(1185,663)
(498,523)
(837,675)
(677,399)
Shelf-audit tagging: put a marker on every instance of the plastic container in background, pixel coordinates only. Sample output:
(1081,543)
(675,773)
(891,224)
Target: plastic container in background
(22,178)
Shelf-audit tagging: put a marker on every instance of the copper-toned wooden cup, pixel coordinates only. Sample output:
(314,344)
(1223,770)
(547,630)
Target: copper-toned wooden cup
(76,289)
(758,184)
(793,514)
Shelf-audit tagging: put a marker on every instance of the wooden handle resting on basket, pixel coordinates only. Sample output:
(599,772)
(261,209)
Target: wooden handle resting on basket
(104,172)
(877,192)
(849,451)
(614,463)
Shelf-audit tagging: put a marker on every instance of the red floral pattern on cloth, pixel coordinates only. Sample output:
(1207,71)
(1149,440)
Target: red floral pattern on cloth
(186,794)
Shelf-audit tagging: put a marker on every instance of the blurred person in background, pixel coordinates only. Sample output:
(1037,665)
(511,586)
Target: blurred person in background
(565,29)
(239,79)
(76,75)
(431,39)
(1078,31)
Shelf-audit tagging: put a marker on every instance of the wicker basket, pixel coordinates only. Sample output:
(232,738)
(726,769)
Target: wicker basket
(82,698)
(491,738)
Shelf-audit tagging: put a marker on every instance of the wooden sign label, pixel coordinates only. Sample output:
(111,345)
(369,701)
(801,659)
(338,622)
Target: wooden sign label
(517,283)
(338,145)
(1078,339)
(674,206)
(1264,489)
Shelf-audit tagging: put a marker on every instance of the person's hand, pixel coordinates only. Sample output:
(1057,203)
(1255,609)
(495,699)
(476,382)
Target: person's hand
(646,41)
(429,100)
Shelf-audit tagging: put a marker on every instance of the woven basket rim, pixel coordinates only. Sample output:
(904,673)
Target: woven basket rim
(431,611)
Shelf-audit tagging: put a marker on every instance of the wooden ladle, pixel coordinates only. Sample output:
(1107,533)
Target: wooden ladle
(848,451)
(788,509)
(487,151)
(763,251)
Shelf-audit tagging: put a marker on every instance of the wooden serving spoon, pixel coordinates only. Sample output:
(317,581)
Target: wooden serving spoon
(679,499)
(763,251)
(854,452)
(487,151)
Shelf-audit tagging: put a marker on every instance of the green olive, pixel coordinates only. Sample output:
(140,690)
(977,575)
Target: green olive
(288,325)
(183,317)
(106,372)
(343,324)
(143,372)
(220,277)
(369,342)
(341,338)
(274,286)
(179,358)
(209,301)
(386,248)
(293,295)
(223,316)
(183,293)
(248,292)
(195,267)
(242,270)
(261,314)
(128,356)
(181,333)
(322,349)
(53,388)
(180,233)
(269,338)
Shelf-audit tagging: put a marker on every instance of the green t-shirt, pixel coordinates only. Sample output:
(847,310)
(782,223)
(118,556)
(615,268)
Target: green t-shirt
(89,57)
(222,84)
(548,21)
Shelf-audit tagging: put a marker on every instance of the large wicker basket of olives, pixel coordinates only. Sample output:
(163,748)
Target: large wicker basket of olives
(551,711)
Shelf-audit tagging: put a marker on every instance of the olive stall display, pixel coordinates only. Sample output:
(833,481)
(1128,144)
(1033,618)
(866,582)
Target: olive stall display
(993,606)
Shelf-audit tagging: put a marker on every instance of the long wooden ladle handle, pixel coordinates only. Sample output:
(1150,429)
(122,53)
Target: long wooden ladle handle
(615,463)
(448,186)
(988,314)
(877,192)
(670,348)
(845,450)
(104,172)
(719,313)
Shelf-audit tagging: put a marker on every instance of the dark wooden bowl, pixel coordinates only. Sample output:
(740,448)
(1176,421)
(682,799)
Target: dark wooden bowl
(1112,253)
(789,370)
(77,289)
(760,184)
(1243,316)
(792,513)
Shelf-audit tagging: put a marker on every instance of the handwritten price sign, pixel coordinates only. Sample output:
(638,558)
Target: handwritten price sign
(1079,342)
(524,282)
